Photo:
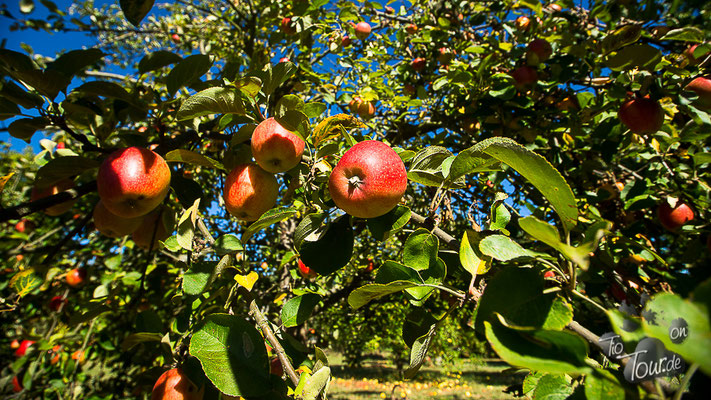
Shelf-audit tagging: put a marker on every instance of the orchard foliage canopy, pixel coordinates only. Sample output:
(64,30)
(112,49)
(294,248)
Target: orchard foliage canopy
(557,157)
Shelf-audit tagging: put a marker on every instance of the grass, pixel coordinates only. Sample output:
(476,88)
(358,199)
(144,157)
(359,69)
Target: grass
(378,378)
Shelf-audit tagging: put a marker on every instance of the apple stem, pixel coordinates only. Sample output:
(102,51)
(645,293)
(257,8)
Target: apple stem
(354,181)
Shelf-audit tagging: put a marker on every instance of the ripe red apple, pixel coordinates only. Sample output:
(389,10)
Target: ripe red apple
(641,115)
(56,354)
(287,26)
(674,217)
(175,37)
(555,7)
(249,192)
(702,87)
(144,234)
(418,64)
(366,110)
(346,41)
(284,59)
(689,54)
(16,386)
(362,30)
(275,367)
(24,345)
(371,265)
(525,77)
(76,277)
(61,186)
(56,303)
(538,50)
(549,275)
(275,148)
(305,271)
(411,29)
(173,384)
(522,23)
(369,180)
(60,146)
(445,56)
(354,104)
(79,356)
(132,182)
(112,225)
(25,226)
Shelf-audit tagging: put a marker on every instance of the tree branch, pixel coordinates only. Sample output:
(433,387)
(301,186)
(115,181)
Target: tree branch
(46,202)
(446,237)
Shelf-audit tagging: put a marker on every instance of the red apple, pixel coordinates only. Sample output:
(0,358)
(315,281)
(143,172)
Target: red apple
(112,225)
(525,77)
(689,54)
(56,303)
(538,50)
(25,226)
(641,115)
(173,384)
(674,217)
(549,275)
(175,37)
(411,29)
(55,354)
(369,180)
(522,23)
(79,356)
(702,87)
(287,26)
(60,146)
(284,59)
(362,30)
(16,386)
(15,344)
(61,186)
(371,265)
(76,277)
(305,271)
(149,224)
(275,148)
(354,104)
(555,7)
(346,41)
(249,192)
(132,182)
(275,367)
(418,64)
(24,345)
(366,110)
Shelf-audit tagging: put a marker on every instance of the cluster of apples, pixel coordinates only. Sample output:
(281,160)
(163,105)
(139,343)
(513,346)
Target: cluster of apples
(365,109)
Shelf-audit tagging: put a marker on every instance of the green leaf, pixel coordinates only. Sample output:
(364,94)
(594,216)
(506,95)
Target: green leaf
(621,37)
(538,350)
(186,226)
(157,59)
(297,310)
(419,350)
(702,158)
(605,387)
(427,165)
(548,234)
(382,227)
(72,62)
(332,250)
(136,10)
(77,319)
(317,383)
(268,218)
(227,244)
(187,71)
(63,167)
(232,354)
(135,339)
(191,157)
(187,190)
(500,215)
(215,100)
(365,294)
(553,387)
(22,68)
(471,258)
(276,76)
(197,278)
(641,56)
(334,126)
(26,127)
(24,282)
(250,85)
(517,295)
(16,94)
(667,307)
(502,248)
(685,34)
(314,109)
(311,224)
(420,249)
(105,89)
(8,109)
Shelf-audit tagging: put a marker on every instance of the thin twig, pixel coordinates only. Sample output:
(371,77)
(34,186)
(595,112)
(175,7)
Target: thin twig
(25,209)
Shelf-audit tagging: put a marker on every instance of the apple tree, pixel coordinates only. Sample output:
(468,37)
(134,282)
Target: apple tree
(226,189)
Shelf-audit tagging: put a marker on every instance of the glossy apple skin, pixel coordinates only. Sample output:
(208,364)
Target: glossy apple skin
(144,234)
(56,303)
(275,148)
(524,76)
(175,385)
(522,23)
(346,41)
(362,30)
(674,218)
(641,115)
(76,277)
(305,271)
(418,64)
(61,186)
(702,87)
(369,180)
(541,48)
(25,226)
(366,110)
(132,182)
(249,192)
(112,225)
(24,345)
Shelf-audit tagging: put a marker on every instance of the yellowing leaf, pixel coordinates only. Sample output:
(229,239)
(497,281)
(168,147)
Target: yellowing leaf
(4,179)
(331,127)
(248,280)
